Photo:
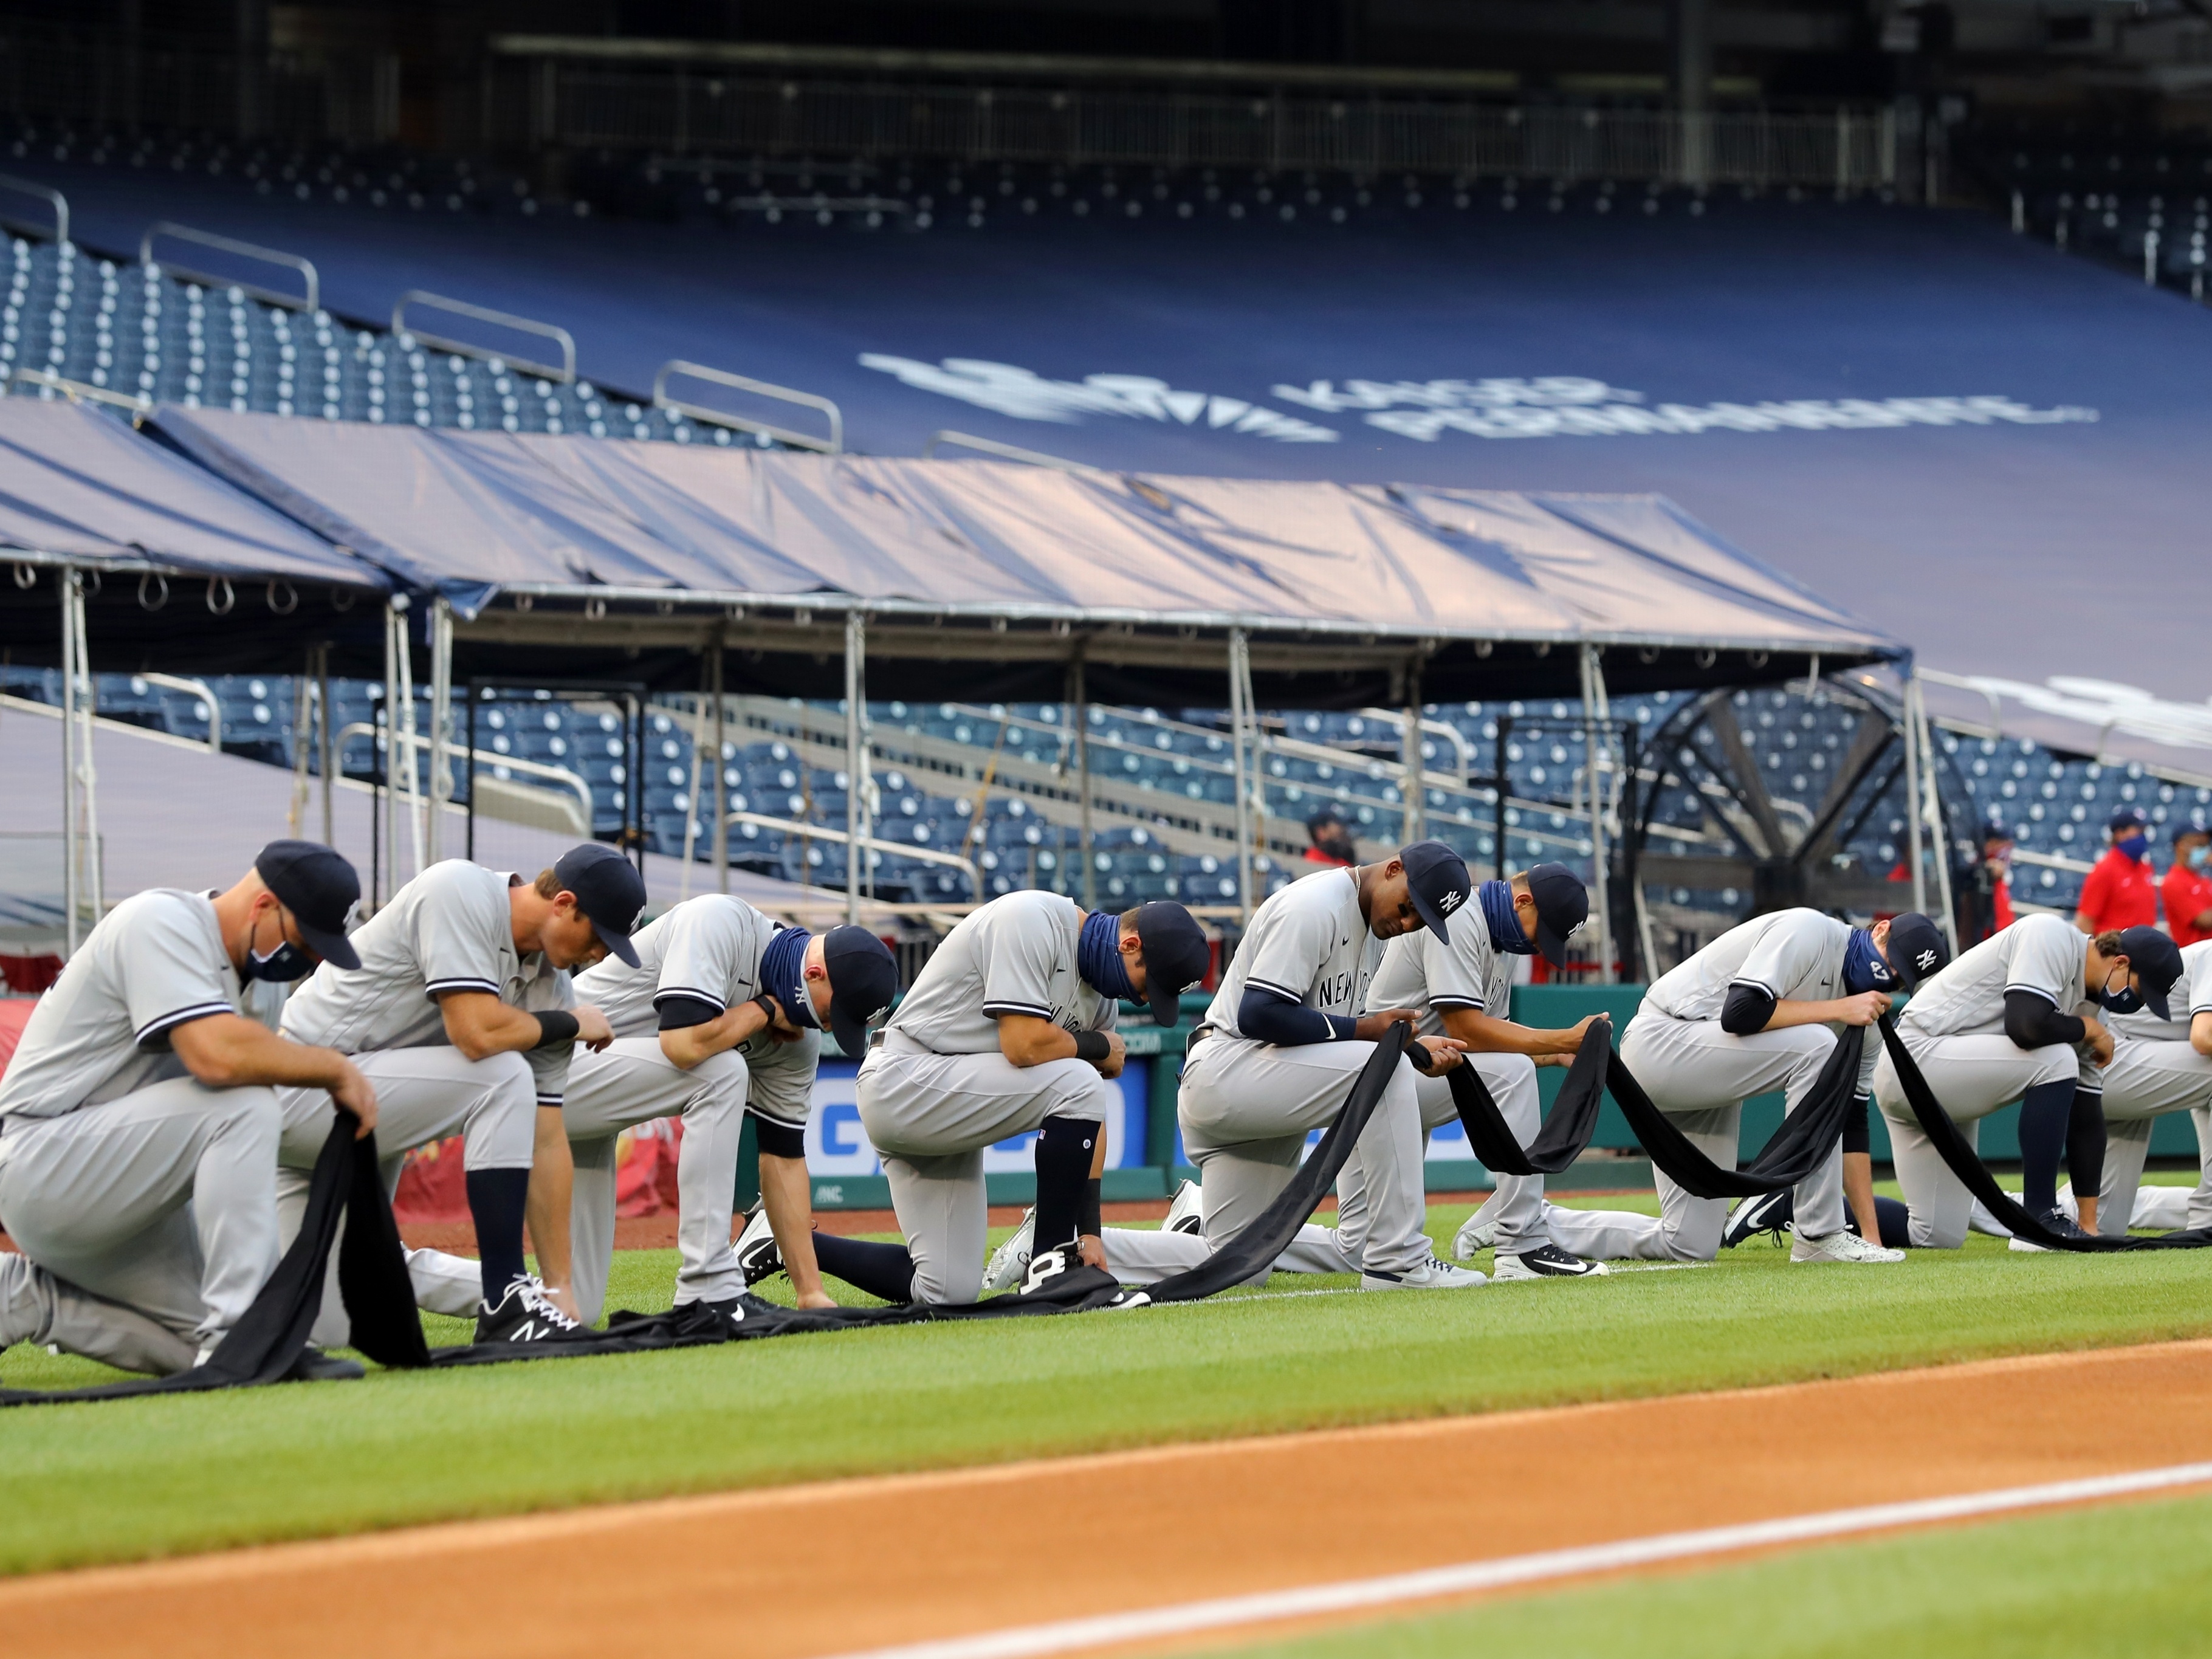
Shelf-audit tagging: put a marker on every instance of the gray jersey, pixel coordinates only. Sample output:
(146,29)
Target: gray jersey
(2044,954)
(2192,995)
(155,962)
(1015,955)
(1420,971)
(449,929)
(707,949)
(1308,942)
(1794,956)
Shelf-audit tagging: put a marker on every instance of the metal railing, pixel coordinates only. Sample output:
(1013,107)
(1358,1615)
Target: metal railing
(564,373)
(678,369)
(309,302)
(53,199)
(1002,452)
(205,693)
(795,829)
(414,742)
(82,391)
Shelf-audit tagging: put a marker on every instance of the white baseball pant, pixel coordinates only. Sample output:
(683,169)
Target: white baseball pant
(1700,1075)
(1246,1109)
(422,1095)
(930,1117)
(1972,1075)
(147,1225)
(2147,1079)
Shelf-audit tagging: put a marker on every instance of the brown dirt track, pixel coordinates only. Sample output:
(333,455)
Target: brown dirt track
(845,1566)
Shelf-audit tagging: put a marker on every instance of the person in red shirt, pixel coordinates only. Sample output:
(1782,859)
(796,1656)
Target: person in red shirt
(1333,845)
(1985,887)
(2187,888)
(2121,892)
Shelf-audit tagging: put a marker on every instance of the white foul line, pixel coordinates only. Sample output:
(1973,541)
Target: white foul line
(1114,1629)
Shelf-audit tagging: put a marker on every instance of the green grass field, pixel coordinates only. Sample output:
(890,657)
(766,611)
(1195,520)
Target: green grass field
(127,1480)
(2128,1580)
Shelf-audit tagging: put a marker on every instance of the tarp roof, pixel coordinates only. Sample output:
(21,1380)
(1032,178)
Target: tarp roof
(78,486)
(475,515)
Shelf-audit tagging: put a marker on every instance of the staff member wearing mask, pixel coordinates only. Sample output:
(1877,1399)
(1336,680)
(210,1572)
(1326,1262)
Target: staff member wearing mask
(2187,888)
(1985,886)
(2121,892)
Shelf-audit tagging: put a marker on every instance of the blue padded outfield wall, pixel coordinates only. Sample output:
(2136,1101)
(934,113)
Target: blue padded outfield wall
(1984,446)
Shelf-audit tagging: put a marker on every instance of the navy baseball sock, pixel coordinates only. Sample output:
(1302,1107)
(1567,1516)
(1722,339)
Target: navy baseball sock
(1063,1169)
(2085,1144)
(2044,1111)
(884,1270)
(496,1198)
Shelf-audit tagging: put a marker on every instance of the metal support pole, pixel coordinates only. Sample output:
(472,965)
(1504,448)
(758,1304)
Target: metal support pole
(441,722)
(1239,715)
(325,749)
(1416,824)
(303,692)
(1497,806)
(713,770)
(394,648)
(1932,807)
(69,585)
(1080,698)
(1594,773)
(856,647)
(721,845)
(1912,792)
(405,745)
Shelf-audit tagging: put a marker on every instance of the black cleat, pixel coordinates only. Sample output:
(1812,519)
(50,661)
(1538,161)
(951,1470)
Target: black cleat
(1769,1212)
(1544,1261)
(526,1314)
(2056,1221)
(758,1256)
(313,1366)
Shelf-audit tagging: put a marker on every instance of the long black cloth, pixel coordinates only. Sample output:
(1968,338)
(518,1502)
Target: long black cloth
(272,1334)
(1951,1145)
(1796,1149)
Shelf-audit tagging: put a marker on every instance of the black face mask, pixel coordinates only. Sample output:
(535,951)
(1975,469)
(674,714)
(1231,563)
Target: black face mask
(2125,1001)
(287,963)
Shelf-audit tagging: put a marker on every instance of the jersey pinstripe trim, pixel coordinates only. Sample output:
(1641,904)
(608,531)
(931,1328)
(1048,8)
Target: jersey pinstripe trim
(693,993)
(1036,1010)
(1448,1000)
(1274,989)
(2037,990)
(154,1028)
(459,982)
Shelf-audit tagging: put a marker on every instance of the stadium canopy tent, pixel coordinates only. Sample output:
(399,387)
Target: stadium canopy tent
(821,576)
(126,555)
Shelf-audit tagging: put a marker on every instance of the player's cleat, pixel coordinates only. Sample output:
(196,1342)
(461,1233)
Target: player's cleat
(526,1314)
(1842,1245)
(1544,1261)
(1011,1259)
(1768,1213)
(1183,1209)
(758,1256)
(2056,1221)
(1476,1234)
(1431,1275)
(313,1366)
(1980,1220)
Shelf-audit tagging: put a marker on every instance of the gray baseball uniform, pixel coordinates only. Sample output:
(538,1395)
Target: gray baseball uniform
(144,1202)
(936,1091)
(1247,1106)
(2156,1070)
(450,929)
(707,949)
(1953,1028)
(1700,1075)
(1420,971)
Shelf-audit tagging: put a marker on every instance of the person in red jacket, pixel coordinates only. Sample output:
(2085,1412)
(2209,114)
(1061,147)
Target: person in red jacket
(1985,886)
(2121,892)
(2187,888)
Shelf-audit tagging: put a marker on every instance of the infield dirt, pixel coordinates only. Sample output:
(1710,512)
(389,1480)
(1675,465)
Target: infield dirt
(853,1564)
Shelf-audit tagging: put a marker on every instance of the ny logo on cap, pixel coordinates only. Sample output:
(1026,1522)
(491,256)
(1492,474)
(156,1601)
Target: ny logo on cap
(1449,902)
(1926,959)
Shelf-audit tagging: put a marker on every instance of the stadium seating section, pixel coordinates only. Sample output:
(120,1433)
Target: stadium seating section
(2128,195)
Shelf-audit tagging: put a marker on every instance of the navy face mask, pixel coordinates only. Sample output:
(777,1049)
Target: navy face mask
(2125,1001)
(783,976)
(1864,967)
(280,966)
(1099,960)
(1503,921)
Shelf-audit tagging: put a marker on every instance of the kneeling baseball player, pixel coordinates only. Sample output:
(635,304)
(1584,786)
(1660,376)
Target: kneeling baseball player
(1277,1055)
(2011,1020)
(1007,1030)
(1759,1009)
(2158,1065)
(138,1119)
(461,1012)
(720,1019)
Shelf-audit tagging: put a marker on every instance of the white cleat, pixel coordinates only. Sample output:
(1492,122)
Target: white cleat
(757,1253)
(1431,1275)
(1842,1245)
(1011,1259)
(1544,1261)
(1476,1234)
(1183,1209)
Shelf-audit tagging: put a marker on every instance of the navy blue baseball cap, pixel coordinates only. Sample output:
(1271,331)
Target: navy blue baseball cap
(1562,906)
(1437,882)
(2195,823)
(1177,956)
(863,984)
(2128,817)
(2155,960)
(1917,949)
(608,892)
(320,888)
